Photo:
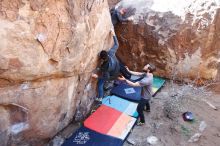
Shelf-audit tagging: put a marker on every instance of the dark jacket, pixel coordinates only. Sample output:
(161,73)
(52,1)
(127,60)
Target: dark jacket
(110,69)
(117,17)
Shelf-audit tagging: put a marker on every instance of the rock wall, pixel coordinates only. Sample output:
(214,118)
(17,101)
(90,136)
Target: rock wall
(112,3)
(48,50)
(180,37)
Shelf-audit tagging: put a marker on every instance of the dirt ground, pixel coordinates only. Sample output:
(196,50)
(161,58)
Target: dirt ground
(166,123)
(165,119)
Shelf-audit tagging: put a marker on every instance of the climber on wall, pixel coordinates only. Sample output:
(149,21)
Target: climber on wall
(120,15)
(110,67)
(146,83)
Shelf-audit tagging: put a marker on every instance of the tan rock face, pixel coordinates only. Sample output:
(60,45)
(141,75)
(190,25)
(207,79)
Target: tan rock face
(112,3)
(53,38)
(48,50)
(181,38)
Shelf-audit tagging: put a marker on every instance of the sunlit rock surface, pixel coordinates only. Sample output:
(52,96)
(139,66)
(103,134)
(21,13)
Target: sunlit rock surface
(48,50)
(181,37)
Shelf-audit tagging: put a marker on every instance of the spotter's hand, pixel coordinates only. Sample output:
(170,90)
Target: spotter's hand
(94,75)
(121,78)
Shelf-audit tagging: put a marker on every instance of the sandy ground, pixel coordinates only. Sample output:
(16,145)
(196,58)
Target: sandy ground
(166,123)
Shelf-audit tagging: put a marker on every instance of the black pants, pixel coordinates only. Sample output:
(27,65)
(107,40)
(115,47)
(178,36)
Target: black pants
(124,71)
(140,109)
(127,74)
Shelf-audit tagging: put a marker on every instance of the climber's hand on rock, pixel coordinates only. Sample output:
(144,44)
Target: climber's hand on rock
(94,75)
(112,31)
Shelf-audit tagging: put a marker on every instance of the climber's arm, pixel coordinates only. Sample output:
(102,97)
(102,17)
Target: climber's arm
(114,49)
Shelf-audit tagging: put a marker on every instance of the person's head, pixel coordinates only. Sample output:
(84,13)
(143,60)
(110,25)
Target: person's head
(123,11)
(149,68)
(103,55)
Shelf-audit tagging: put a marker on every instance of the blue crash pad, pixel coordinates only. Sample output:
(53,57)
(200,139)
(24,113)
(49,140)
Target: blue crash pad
(122,105)
(86,137)
(127,92)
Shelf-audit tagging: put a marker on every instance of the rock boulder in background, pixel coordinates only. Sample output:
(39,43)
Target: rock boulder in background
(180,37)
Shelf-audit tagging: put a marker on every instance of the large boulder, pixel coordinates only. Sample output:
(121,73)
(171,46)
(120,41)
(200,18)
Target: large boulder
(180,37)
(112,3)
(48,50)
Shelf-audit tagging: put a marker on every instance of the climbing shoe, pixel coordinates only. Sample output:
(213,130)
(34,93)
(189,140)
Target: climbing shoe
(98,100)
(140,124)
(147,110)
